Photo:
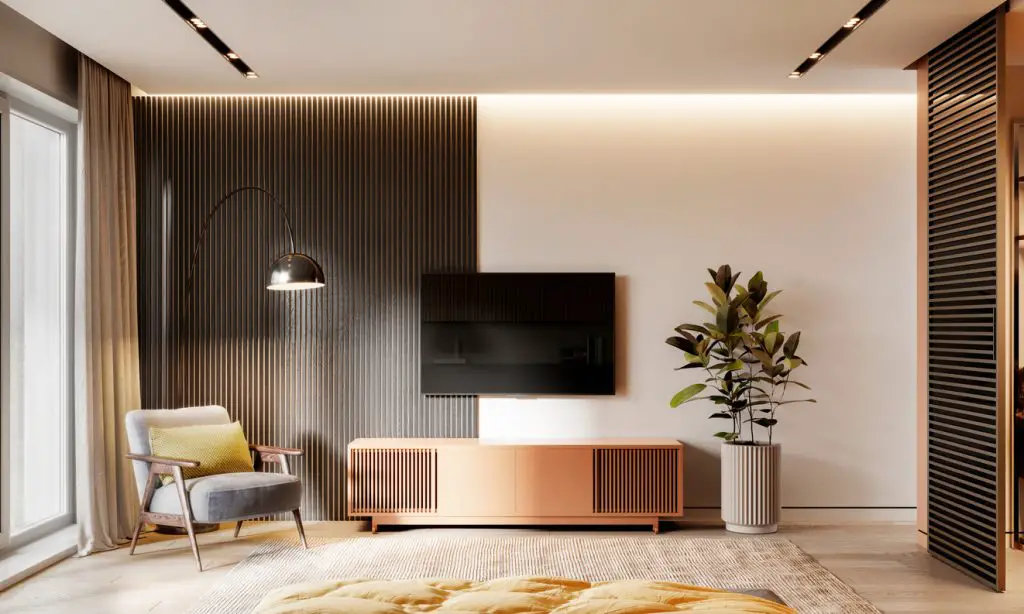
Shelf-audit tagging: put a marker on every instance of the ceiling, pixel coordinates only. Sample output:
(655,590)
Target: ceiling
(522,46)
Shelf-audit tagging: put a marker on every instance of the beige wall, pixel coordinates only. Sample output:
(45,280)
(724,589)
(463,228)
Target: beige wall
(35,57)
(817,191)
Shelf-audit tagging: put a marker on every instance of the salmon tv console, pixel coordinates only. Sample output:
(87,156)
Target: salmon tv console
(473,482)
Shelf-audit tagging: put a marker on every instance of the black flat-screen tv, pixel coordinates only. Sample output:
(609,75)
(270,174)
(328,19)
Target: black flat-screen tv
(528,334)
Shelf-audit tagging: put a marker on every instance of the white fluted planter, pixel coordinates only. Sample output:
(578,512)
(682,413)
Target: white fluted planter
(750,487)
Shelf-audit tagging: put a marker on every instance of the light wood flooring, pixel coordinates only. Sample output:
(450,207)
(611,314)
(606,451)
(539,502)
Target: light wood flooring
(881,562)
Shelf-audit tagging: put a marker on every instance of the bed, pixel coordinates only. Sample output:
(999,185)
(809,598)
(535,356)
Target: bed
(509,596)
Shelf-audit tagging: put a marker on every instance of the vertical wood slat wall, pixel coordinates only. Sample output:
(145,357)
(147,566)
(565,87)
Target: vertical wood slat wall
(963,486)
(379,190)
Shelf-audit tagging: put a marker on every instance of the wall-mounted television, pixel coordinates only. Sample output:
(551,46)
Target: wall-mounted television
(528,334)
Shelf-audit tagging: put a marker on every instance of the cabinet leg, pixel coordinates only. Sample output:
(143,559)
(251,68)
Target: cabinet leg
(656,526)
(373,525)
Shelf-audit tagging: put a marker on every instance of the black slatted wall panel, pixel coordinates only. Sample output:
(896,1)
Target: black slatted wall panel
(379,189)
(962,401)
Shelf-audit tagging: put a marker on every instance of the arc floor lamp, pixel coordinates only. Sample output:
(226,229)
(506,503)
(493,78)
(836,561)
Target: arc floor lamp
(289,272)
(292,271)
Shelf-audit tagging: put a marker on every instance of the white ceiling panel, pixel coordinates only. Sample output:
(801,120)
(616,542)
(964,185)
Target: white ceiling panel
(485,46)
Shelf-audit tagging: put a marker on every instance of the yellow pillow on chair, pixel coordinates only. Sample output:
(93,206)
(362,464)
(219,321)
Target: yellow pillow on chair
(219,448)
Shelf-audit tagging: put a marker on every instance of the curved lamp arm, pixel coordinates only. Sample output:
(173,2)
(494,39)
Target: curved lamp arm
(209,218)
(292,271)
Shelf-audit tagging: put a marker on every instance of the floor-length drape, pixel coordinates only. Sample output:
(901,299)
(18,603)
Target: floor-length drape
(106,312)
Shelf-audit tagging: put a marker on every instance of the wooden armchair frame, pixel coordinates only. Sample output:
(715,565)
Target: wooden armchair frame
(159,466)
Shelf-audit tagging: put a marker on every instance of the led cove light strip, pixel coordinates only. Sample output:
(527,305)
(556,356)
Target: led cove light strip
(840,35)
(202,29)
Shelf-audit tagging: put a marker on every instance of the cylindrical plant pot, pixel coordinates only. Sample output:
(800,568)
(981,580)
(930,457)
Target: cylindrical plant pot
(750,487)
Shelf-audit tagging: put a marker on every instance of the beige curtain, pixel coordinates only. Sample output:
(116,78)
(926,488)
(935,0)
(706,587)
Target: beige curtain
(106,318)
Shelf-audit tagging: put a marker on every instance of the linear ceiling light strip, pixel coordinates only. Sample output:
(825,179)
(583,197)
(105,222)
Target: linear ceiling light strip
(203,30)
(833,41)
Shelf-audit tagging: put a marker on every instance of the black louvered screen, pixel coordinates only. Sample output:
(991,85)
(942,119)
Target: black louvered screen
(963,519)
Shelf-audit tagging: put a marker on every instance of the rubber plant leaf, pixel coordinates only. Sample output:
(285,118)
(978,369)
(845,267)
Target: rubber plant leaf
(717,295)
(767,321)
(789,349)
(682,343)
(767,299)
(704,306)
(686,394)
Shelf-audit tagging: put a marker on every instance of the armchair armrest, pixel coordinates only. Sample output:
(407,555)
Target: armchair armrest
(274,450)
(274,454)
(162,460)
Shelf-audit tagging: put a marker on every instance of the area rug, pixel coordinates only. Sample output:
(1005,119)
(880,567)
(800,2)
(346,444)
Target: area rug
(748,564)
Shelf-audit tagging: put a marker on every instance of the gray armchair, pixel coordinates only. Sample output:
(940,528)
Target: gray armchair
(209,499)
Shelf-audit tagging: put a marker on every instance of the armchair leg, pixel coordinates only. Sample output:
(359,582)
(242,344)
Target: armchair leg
(298,525)
(238,527)
(147,497)
(186,513)
(135,535)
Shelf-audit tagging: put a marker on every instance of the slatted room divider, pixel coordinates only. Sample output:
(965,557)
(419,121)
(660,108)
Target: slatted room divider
(963,489)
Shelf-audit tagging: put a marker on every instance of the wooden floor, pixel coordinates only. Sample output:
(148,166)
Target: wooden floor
(881,562)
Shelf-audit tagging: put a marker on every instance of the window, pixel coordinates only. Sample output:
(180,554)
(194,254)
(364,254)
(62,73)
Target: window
(38,421)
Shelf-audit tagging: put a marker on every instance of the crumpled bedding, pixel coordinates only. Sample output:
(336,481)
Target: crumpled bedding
(527,595)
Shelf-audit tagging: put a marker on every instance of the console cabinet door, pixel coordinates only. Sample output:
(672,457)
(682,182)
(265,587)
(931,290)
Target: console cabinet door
(476,480)
(554,481)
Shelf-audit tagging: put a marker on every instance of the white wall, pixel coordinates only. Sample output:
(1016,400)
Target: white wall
(816,191)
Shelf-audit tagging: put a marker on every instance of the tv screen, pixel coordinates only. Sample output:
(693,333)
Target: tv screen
(524,334)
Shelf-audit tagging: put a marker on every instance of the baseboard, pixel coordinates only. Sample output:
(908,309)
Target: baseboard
(815,515)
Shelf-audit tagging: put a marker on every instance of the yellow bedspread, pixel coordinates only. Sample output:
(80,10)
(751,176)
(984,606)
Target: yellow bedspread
(508,596)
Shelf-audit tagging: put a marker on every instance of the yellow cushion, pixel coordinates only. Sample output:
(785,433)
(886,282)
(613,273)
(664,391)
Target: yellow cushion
(530,595)
(219,448)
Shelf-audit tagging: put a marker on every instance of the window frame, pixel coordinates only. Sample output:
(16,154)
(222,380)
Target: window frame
(12,105)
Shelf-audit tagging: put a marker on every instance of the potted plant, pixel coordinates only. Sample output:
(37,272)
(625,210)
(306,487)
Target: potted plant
(749,364)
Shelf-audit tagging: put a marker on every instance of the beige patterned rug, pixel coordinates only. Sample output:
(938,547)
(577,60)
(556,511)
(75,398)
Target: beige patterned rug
(757,563)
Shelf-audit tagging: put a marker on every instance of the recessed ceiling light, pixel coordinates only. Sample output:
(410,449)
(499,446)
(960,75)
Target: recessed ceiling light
(203,30)
(837,37)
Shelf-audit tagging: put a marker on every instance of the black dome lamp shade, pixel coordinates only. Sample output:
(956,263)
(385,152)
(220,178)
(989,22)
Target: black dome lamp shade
(292,271)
